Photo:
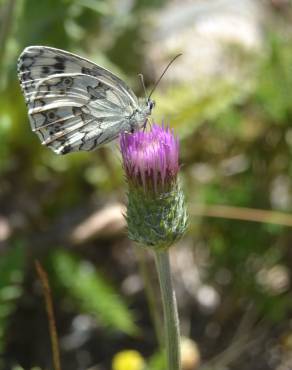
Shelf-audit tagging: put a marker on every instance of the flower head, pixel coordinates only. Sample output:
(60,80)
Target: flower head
(156,213)
(151,158)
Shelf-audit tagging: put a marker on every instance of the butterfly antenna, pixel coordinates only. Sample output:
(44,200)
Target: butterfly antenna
(143,84)
(163,73)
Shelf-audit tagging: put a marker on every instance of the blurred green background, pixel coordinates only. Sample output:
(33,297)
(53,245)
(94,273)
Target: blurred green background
(228,98)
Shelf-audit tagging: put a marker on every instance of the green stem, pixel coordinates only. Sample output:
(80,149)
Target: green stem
(171,321)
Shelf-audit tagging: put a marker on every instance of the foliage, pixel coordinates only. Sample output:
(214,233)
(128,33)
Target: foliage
(92,292)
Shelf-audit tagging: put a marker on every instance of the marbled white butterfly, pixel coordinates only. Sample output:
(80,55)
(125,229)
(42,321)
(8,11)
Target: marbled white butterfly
(74,104)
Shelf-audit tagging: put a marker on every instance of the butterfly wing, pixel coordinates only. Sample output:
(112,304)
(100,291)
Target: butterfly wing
(73,104)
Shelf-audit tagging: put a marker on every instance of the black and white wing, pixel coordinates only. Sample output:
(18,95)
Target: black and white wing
(73,104)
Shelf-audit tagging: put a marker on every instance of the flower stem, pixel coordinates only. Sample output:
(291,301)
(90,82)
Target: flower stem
(171,321)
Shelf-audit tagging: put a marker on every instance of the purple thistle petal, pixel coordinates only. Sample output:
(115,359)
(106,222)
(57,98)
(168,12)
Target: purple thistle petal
(150,158)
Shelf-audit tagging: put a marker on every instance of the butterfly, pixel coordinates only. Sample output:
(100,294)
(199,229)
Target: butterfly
(74,104)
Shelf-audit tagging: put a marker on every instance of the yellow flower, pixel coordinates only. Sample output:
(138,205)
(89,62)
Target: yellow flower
(128,360)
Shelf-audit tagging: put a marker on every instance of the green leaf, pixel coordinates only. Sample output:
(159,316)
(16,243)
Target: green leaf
(93,292)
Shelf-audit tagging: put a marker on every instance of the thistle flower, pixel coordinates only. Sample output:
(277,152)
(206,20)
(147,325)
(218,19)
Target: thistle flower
(156,213)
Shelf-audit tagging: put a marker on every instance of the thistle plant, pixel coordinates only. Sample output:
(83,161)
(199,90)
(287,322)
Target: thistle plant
(156,212)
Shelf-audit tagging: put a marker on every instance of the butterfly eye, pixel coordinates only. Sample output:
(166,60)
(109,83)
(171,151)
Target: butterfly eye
(151,104)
